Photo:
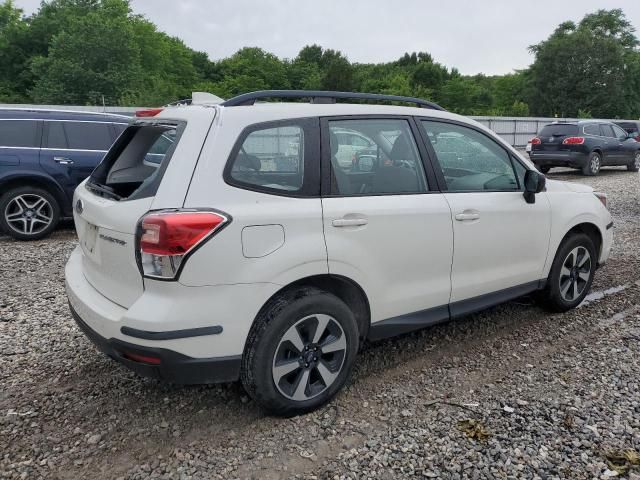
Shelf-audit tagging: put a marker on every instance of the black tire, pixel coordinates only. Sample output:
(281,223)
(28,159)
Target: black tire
(32,225)
(593,165)
(544,169)
(634,166)
(266,340)
(552,296)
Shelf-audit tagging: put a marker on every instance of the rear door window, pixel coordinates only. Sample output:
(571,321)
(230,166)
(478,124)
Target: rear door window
(88,135)
(607,131)
(56,137)
(20,133)
(592,130)
(134,167)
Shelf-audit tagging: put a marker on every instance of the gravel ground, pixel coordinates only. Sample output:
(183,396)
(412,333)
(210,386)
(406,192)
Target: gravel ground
(513,392)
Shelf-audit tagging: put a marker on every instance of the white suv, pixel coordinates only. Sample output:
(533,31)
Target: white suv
(211,250)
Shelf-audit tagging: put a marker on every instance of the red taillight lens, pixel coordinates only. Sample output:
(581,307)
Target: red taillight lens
(638,138)
(602,197)
(166,237)
(573,141)
(151,112)
(536,141)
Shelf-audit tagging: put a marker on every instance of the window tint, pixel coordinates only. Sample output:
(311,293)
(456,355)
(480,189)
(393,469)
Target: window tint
(19,133)
(618,132)
(470,161)
(88,135)
(271,158)
(56,137)
(390,164)
(592,130)
(119,128)
(607,131)
(559,130)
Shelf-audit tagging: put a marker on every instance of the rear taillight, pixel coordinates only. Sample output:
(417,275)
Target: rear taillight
(535,141)
(166,238)
(151,112)
(573,141)
(638,138)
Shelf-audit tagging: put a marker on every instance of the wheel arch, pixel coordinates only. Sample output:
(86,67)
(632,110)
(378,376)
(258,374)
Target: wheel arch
(346,289)
(587,228)
(36,180)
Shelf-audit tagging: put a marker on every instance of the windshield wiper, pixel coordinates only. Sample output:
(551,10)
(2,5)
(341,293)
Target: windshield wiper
(104,189)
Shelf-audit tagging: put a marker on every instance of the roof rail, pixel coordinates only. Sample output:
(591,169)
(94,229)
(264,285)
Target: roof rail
(319,96)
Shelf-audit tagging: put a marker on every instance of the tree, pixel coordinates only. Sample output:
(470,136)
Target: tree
(82,66)
(586,67)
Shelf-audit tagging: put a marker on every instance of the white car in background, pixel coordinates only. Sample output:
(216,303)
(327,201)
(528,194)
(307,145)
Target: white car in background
(240,257)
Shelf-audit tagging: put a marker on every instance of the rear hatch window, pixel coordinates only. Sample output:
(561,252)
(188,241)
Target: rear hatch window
(551,136)
(134,166)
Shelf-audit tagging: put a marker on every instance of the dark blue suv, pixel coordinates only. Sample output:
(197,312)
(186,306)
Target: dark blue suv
(44,155)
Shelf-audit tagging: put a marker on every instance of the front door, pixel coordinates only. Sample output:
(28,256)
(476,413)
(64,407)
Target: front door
(500,241)
(387,228)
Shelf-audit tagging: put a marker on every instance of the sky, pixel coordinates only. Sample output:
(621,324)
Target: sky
(475,36)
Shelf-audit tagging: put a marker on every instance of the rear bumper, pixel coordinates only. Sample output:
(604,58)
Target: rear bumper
(559,159)
(173,367)
(197,333)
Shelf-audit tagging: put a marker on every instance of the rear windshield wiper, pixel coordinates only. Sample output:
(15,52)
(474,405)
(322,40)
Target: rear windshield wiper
(104,189)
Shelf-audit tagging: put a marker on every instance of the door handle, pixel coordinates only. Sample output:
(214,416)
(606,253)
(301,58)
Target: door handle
(63,160)
(350,222)
(461,217)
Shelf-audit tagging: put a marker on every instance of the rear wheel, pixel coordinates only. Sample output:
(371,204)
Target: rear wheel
(28,213)
(300,352)
(593,165)
(571,274)
(634,166)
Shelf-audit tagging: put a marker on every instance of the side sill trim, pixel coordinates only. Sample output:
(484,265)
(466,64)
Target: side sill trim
(470,305)
(172,334)
(408,322)
(424,318)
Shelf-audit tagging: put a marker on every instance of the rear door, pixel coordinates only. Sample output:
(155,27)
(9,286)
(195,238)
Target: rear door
(72,149)
(389,229)
(19,144)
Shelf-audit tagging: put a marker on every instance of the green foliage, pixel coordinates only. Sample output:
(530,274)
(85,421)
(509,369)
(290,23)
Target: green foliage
(84,51)
(589,67)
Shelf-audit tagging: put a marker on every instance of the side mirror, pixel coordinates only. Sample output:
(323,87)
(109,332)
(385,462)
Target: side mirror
(534,182)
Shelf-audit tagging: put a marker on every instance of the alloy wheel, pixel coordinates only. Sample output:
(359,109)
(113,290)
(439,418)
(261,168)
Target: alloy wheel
(636,161)
(575,274)
(28,214)
(595,164)
(309,357)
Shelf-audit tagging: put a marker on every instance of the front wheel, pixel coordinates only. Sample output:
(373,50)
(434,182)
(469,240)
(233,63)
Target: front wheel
(300,352)
(571,274)
(593,164)
(634,166)
(28,213)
